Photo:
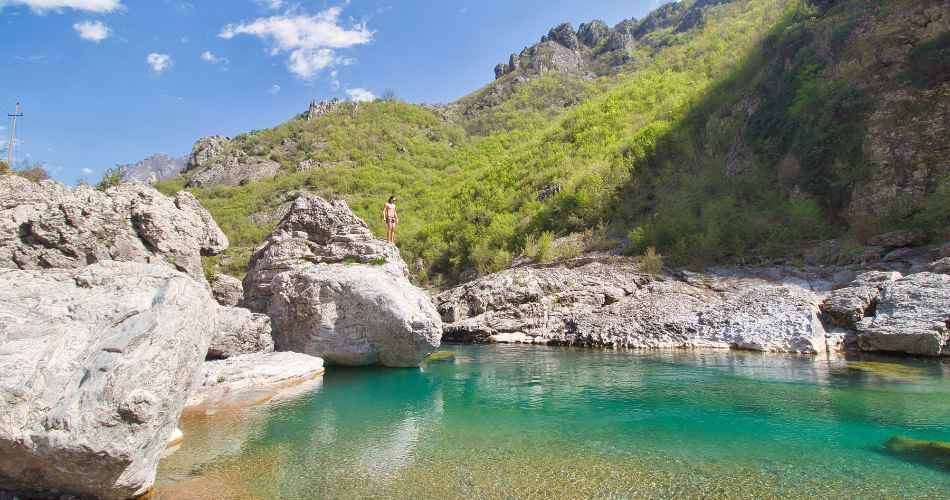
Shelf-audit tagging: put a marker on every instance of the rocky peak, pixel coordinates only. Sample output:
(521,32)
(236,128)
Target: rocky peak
(563,34)
(593,33)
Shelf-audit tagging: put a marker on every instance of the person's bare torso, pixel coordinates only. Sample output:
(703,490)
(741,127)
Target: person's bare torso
(390,212)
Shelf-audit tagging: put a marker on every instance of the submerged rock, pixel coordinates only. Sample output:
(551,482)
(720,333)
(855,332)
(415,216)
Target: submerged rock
(250,379)
(935,453)
(912,316)
(95,366)
(48,225)
(354,316)
(315,231)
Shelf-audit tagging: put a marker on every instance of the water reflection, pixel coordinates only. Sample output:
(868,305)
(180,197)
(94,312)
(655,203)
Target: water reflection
(504,419)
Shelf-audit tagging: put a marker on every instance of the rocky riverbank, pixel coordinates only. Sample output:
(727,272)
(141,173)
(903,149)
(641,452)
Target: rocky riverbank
(608,302)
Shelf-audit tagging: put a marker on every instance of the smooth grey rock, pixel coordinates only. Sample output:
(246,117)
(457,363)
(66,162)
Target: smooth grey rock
(250,379)
(315,231)
(610,303)
(47,225)
(227,290)
(941,266)
(238,332)
(912,316)
(95,367)
(353,315)
(898,239)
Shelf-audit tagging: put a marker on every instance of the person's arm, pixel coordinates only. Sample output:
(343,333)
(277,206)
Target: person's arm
(396,215)
(384,214)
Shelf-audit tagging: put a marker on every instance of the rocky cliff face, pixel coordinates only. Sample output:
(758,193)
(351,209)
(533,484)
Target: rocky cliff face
(213,161)
(47,225)
(152,169)
(597,49)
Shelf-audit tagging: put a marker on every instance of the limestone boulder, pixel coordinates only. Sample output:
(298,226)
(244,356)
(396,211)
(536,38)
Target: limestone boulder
(898,239)
(912,316)
(239,331)
(227,290)
(95,368)
(941,266)
(48,225)
(315,231)
(353,315)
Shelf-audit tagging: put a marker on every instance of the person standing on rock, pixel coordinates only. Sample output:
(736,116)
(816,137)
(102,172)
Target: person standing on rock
(391,218)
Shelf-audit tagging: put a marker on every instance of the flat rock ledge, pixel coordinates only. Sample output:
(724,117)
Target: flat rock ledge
(95,366)
(252,379)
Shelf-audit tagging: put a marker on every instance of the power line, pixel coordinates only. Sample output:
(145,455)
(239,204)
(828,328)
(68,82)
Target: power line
(16,114)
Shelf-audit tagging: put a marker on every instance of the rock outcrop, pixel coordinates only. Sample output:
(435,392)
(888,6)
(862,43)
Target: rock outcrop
(238,332)
(847,306)
(95,366)
(315,231)
(227,290)
(354,315)
(250,379)
(612,304)
(912,316)
(47,225)
(214,162)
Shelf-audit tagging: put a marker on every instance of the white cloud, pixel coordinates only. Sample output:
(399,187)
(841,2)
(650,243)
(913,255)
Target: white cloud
(212,58)
(311,41)
(88,171)
(159,62)
(335,80)
(360,95)
(271,4)
(86,5)
(274,89)
(94,31)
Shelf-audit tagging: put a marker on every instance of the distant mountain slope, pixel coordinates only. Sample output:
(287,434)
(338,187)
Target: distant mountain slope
(720,129)
(154,168)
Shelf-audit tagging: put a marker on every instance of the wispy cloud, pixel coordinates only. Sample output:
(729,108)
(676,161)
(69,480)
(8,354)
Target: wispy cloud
(360,95)
(274,89)
(270,4)
(88,171)
(212,58)
(41,6)
(159,62)
(311,42)
(94,31)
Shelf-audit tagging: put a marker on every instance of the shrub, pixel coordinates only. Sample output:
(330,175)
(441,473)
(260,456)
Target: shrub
(651,262)
(637,237)
(36,173)
(929,62)
(545,252)
(571,249)
(596,239)
(489,260)
(4,168)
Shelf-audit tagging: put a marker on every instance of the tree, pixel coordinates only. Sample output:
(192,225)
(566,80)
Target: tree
(112,178)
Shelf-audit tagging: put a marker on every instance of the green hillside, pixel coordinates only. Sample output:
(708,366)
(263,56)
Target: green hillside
(751,132)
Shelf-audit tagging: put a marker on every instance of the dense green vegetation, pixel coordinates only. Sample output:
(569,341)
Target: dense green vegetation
(735,138)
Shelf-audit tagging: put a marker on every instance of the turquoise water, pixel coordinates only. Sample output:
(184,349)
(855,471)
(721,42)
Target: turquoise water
(536,422)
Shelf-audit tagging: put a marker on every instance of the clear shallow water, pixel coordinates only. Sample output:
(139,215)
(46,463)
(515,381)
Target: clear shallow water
(535,422)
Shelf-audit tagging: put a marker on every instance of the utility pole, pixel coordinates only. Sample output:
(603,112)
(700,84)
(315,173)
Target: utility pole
(16,114)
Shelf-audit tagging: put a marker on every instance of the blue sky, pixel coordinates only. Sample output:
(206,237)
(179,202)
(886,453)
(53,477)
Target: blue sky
(113,81)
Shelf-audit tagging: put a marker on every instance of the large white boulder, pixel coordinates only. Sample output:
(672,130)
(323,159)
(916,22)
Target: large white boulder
(95,368)
(353,315)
